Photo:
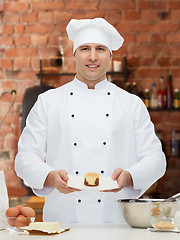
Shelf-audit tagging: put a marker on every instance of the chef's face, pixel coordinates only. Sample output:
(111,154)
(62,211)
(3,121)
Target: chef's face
(92,62)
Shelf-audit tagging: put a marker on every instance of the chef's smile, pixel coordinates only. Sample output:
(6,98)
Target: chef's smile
(92,67)
(92,61)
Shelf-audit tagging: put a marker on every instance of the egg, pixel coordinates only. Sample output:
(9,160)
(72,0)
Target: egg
(12,212)
(19,207)
(11,221)
(20,221)
(27,212)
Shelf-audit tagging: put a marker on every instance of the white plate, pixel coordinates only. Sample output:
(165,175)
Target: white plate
(29,229)
(105,183)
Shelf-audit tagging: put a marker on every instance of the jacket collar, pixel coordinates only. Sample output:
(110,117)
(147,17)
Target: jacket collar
(83,85)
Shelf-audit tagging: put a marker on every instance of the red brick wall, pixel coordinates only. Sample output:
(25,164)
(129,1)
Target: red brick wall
(30,30)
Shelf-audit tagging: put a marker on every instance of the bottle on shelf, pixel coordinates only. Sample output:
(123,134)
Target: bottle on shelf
(176,98)
(128,87)
(154,97)
(169,92)
(175,143)
(141,93)
(61,55)
(147,98)
(134,88)
(109,78)
(162,100)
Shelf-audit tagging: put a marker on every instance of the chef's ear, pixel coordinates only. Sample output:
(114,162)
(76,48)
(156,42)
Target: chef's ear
(110,55)
(74,53)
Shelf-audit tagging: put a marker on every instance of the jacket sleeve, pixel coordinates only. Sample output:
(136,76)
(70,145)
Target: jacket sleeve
(151,161)
(30,160)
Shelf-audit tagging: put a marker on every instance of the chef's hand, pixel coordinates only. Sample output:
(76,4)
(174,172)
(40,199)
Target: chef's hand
(58,179)
(123,178)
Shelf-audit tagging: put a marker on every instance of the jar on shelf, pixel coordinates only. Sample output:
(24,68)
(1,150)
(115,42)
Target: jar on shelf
(175,143)
(117,66)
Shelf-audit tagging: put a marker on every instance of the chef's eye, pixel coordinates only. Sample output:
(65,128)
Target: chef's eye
(84,49)
(100,49)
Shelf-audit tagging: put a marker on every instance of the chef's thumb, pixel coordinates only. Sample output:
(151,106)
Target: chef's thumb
(63,174)
(116,173)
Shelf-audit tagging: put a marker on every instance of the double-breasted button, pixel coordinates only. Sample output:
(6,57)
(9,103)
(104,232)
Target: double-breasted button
(99,200)
(108,93)
(75,144)
(102,171)
(79,200)
(104,143)
(107,114)
(72,115)
(71,93)
(77,172)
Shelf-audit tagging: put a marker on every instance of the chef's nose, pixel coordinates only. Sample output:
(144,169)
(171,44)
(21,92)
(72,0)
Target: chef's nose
(92,55)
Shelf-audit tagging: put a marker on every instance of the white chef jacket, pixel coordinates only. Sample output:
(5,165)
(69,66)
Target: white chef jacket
(83,130)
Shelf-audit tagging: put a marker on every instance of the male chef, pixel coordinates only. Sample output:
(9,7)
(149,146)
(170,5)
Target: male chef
(89,125)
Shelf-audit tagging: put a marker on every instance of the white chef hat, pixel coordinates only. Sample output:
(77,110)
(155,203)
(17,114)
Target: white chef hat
(96,30)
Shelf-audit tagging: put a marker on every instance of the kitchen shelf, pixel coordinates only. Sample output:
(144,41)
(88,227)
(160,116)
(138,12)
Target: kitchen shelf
(164,110)
(42,73)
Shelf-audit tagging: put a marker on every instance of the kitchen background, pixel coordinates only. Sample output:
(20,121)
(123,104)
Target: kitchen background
(30,31)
